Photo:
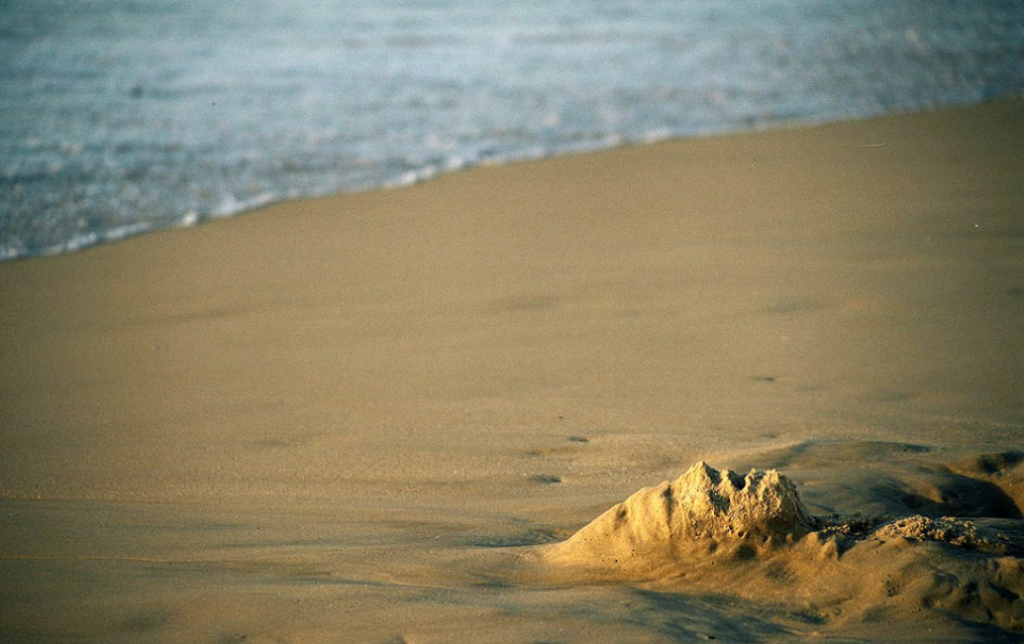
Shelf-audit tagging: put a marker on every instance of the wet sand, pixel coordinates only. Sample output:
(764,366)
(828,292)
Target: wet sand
(366,418)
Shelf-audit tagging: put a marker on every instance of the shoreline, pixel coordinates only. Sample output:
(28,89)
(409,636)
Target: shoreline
(433,172)
(348,416)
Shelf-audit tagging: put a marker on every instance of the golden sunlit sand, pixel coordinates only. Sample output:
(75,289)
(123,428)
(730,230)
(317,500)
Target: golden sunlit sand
(381,417)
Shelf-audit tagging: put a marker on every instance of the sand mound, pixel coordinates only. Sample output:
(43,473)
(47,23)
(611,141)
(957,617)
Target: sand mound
(704,511)
(719,532)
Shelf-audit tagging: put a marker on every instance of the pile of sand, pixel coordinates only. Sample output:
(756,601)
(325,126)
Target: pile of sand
(714,531)
(703,512)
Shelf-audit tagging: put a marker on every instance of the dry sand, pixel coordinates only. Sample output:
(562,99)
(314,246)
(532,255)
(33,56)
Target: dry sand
(368,418)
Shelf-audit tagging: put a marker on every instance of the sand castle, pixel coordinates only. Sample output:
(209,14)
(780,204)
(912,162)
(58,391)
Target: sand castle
(752,535)
(704,511)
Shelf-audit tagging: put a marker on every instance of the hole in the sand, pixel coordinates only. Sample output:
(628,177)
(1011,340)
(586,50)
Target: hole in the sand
(546,479)
(944,493)
(963,496)
(997,463)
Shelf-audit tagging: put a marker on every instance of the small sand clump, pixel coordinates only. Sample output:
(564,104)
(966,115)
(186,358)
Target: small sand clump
(951,530)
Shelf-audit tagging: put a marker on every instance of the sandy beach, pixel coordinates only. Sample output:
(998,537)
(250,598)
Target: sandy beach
(374,417)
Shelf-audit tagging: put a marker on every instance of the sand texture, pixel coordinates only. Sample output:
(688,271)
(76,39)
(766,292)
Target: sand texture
(403,416)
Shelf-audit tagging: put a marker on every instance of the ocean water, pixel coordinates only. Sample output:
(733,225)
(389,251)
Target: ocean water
(122,116)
